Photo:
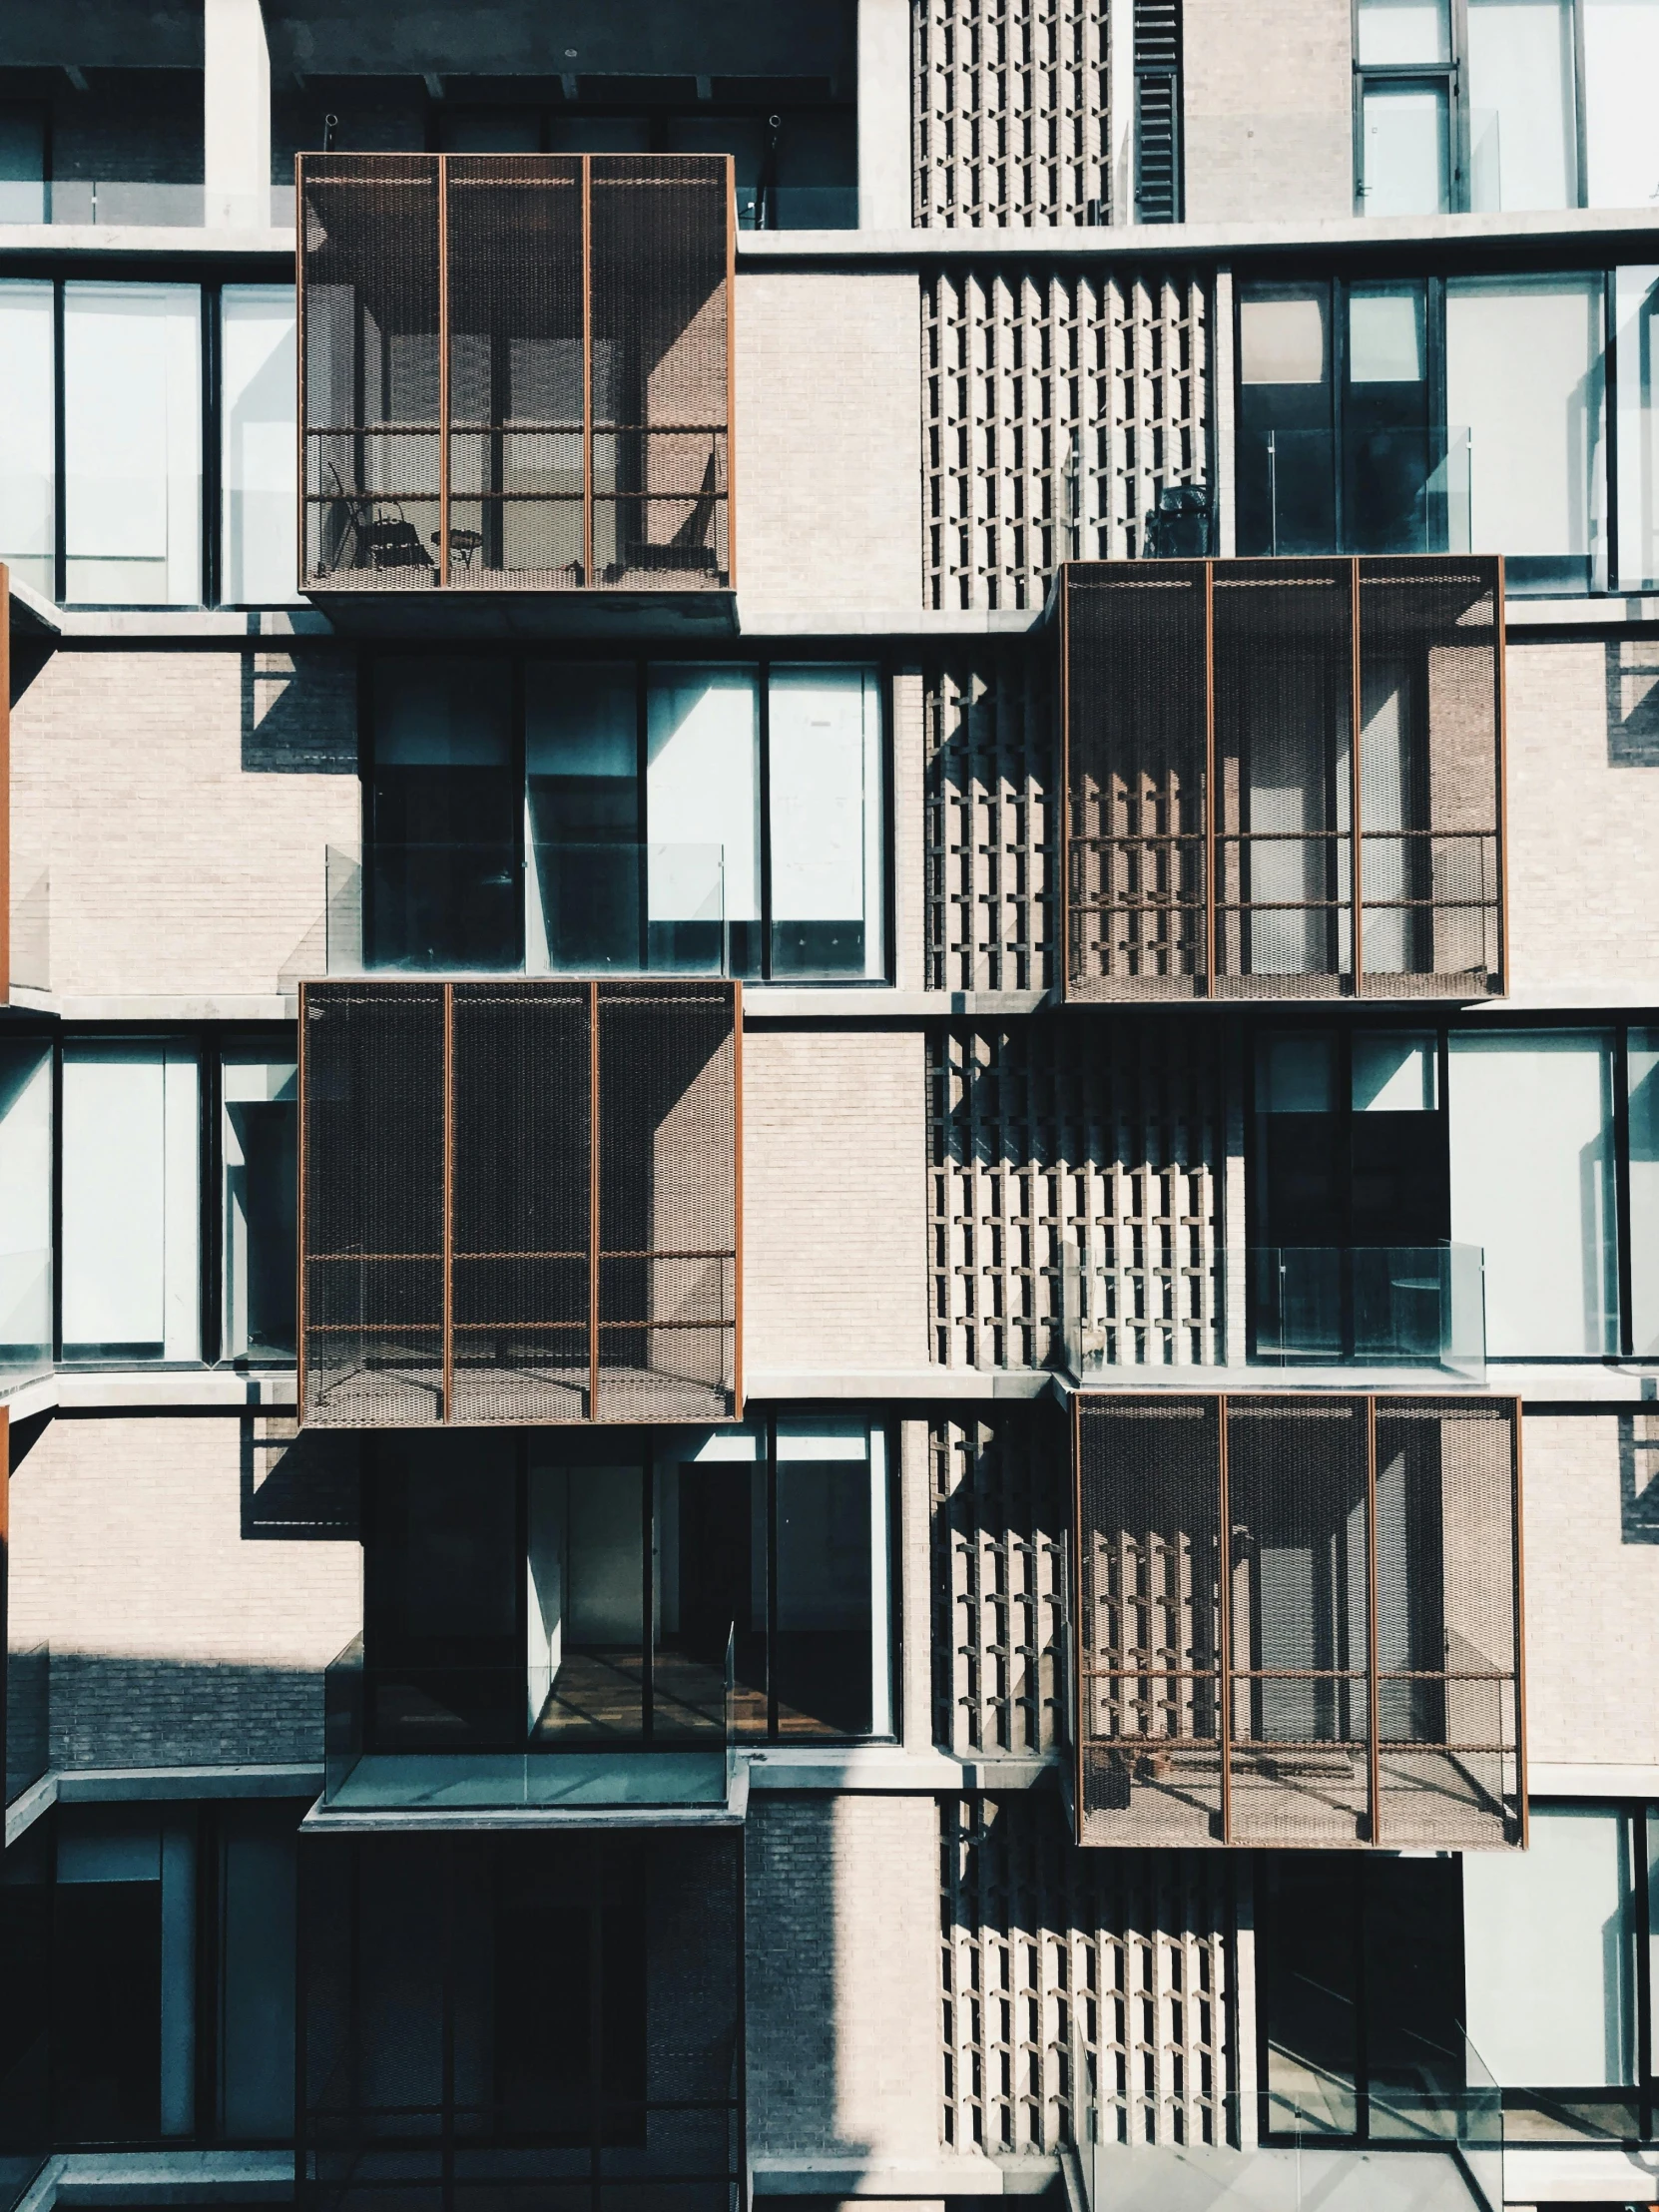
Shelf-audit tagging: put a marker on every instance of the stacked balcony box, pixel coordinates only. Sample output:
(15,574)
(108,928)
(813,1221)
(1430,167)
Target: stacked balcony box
(1298,1622)
(1283,779)
(519,1202)
(515,372)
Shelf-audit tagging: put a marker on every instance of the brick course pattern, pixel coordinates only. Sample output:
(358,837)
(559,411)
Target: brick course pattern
(828,428)
(835,1180)
(1268,110)
(1075,1978)
(1060,402)
(180,1634)
(1103,1135)
(1010,111)
(171,810)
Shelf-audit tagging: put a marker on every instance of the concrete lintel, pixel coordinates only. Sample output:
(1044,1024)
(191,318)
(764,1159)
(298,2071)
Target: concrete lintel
(173,2177)
(1559,1778)
(207,626)
(921,1385)
(853,2176)
(804,1002)
(166,240)
(867,1768)
(161,1007)
(185,1390)
(760,622)
(172,1785)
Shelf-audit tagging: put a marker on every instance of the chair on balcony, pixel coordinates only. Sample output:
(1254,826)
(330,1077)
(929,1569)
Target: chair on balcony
(368,531)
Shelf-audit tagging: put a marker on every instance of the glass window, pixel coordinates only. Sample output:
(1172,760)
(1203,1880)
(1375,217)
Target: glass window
(132,444)
(1533,1114)
(582,793)
(22,163)
(1282,341)
(1403,31)
(1296,1072)
(1644,1192)
(1523,375)
(703,799)
(1621,68)
(25,1208)
(587,1555)
(1287,490)
(261,1230)
(27,464)
(825,821)
(257,1934)
(1636,324)
(257,409)
(1396,1071)
(1405,140)
(130,1200)
(1523,140)
(1395,486)
(831,1665)
(1549,1943)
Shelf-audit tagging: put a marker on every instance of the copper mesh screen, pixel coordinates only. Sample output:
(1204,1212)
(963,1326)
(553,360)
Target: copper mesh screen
(667,1202)
(1136,763)
(1447,1624)
(660,310)
(1429,777)
(1371,1621)
(519,1263)
(516,374)
(1297,1491)
(373,1242)
(368,376)
(1148,1636)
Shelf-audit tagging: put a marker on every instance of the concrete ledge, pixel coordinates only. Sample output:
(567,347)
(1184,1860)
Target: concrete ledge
(166,2177)
(932,1386)
(1581,1779)
(116,1785)
(28,1805)
(1580,2176)
(849,2175)
(180,240)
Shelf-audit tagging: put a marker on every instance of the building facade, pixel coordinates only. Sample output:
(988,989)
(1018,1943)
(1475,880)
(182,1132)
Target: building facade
(829,1100)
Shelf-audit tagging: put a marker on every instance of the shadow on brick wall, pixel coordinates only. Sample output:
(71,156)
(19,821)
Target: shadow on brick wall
(112,1710)
(300,1487)
(300,713)
(1639,1479)
(1632,702)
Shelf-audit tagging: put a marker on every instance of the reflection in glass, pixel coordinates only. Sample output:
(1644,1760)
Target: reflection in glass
(825,822)
(132,401)
(258,466)
(1406,145)
(586,1567)
(1521,96)
(130,1200)
(27,474)
(25,1208)
(703,789)
(831,1669)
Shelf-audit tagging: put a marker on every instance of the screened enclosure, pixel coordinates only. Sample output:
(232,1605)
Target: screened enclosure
(519,1202)
(1284,778)
(516,371)
(522,2018)
(1298,1622)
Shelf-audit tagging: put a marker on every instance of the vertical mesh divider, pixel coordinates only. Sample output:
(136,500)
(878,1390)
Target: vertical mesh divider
(1296,1493)
(668,1227)
(368,397)
(661,348)
(1136,746)
(521,1101)
(371,1108)
(516,371)
(1283,721)
(1447,1635)
(1148,1656)
(1430,804)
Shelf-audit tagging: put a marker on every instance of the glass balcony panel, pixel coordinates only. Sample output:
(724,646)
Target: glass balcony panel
(1384,1306)
(1404,490)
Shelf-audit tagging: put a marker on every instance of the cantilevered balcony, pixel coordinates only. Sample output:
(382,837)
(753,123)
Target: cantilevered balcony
(516,375)
(1284,778)
(1298,1622)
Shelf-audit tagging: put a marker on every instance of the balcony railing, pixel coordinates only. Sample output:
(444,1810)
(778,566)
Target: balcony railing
(133,202)
(478,1736)
(515,372)
(25,1316)
(1369,1306)
(28,1718)
(1379,491)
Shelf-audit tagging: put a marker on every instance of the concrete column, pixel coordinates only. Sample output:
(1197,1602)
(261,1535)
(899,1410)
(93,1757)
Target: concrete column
(235,142)
(885,157)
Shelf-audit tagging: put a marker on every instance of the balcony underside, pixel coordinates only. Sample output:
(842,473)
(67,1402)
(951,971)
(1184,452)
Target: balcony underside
(650,1788)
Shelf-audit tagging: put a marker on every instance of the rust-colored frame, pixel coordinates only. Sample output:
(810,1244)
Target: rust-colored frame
(5,785)
(1355,979)
(1227,1676)
(441,579)
(594,1255)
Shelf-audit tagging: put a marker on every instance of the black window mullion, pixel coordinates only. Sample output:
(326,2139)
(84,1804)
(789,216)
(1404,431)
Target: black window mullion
(1623,1261)
(1610,422)
(770,1447)
(764,765)
(214,564)
(209,1853)
(211,1209)
(59,464)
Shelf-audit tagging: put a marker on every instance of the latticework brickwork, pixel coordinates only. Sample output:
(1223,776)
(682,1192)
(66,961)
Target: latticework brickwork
(992,821)
(1000,1488)
(1086,1993)
(1010,112)
(1101,1133)
(1060,402)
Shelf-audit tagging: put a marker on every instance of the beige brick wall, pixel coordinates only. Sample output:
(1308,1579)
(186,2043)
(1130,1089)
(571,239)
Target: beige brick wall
(1592,1594)
(1269,109)
(829,443)
(834,1197)
(177,1635)
(180,804)
(1584,824)
(843,1976)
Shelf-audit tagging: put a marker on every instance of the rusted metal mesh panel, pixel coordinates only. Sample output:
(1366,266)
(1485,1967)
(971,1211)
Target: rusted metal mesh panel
(1102,1132)
(667,1140)
(370,383)
(1148,1625)
(1002,1502)
(521,1104)
(1010,112)
(1447,1633)
(1297,1490)
(1059,404)
(991,821)
(1283,721)
(1136,740)
(371,1109)
(1076,1980)
(516,370)
(660,310)
(1430,803)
